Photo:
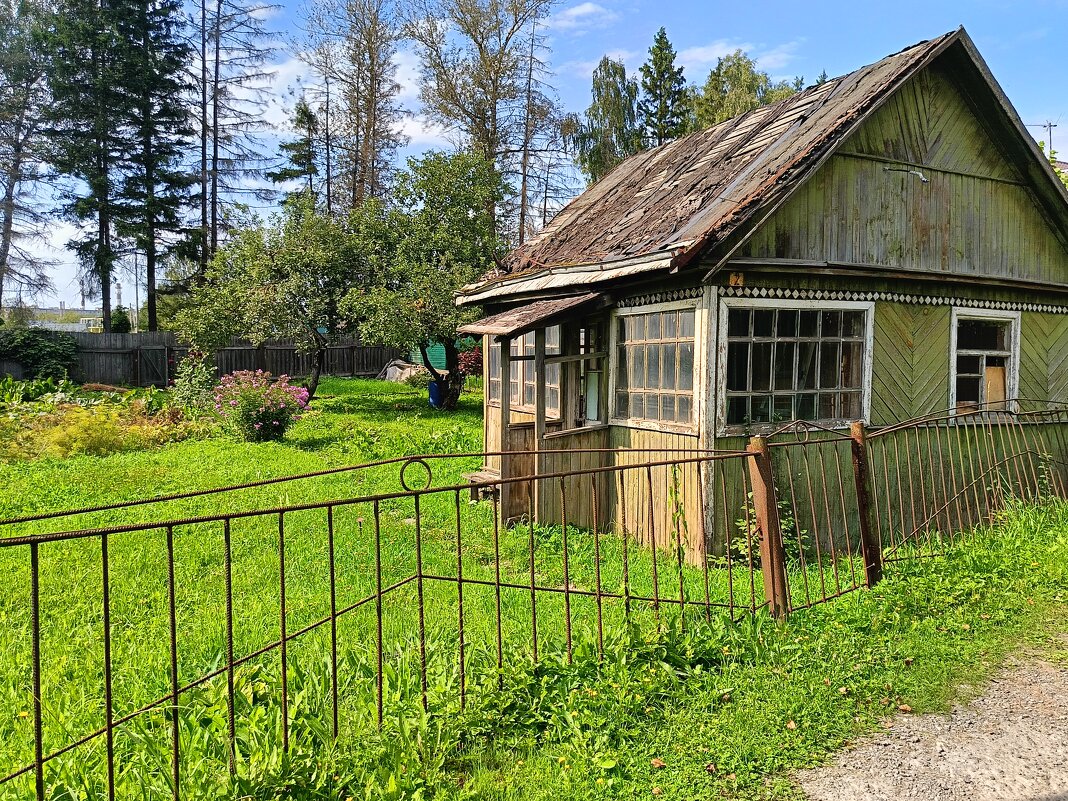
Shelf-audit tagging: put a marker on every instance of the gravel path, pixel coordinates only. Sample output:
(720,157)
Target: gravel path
(1010,744)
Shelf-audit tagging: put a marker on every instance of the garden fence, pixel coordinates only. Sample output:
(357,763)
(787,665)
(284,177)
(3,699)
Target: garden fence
(201,637)
(149,359)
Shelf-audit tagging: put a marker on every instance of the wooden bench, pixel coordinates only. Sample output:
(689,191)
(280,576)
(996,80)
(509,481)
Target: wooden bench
(481,493)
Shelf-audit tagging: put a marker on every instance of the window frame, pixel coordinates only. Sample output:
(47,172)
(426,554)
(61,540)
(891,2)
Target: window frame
(727,303)
(1012,381)
(524,364)
(693,426)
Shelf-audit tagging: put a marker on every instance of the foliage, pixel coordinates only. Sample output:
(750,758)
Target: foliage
(470,362)
(42,353)
(194,383)
(301,154)
(609,131)
(287,279)
(736,86)
(1055,163)
(442,237)
(256,406)
(745,544)
(663,106)
(120,321)
(15,392)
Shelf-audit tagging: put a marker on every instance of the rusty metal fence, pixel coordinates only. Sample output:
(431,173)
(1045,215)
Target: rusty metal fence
(198,639)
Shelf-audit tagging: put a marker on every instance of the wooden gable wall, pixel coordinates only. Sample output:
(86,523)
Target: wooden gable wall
(975,216)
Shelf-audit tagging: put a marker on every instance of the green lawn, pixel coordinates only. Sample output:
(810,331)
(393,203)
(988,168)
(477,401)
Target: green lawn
(728,708)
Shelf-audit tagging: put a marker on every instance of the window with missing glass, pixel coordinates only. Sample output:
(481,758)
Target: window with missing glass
(794,363)
(984,361)
(654,368)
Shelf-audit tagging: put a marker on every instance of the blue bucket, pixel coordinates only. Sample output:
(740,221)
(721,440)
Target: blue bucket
(437,394)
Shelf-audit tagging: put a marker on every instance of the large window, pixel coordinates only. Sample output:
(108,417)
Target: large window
(794,363)
(654,373)
(984,360)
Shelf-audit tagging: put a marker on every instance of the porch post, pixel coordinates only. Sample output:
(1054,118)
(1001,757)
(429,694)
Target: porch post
(504,423)
(539,415)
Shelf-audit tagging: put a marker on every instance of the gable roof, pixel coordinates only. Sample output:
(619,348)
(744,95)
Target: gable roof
(661,208)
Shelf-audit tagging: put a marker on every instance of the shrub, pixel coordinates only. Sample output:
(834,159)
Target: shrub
(120,321)
(194,382)
(42,353)
(471,361)
(257,407)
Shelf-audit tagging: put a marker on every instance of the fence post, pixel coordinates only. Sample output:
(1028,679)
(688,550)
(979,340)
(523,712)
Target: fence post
(766,508)
(870,546)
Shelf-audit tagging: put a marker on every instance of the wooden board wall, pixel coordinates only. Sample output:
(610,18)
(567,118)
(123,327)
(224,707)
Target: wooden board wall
(973,216)
(910,361)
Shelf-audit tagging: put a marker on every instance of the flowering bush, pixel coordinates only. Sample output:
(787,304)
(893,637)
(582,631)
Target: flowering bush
(258,407)
(471,361)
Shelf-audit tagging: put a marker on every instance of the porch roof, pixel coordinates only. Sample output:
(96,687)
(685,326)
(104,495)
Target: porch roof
(521,319)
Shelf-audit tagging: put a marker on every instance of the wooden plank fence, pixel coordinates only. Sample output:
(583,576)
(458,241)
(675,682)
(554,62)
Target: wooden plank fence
(150,359)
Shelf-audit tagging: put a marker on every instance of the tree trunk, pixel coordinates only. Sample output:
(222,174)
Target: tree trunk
(318,362)
(203,139)
(452,382)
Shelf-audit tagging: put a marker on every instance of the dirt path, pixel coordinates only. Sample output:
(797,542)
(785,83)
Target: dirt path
(1010,744)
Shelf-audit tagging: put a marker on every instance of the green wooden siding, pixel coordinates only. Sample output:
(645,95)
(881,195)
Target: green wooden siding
(910,361)
(973,217)
(1044,357)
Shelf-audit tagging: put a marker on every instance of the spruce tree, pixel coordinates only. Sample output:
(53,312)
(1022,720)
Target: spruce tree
(155,186)
(663,106)
(88,127)
(301,155)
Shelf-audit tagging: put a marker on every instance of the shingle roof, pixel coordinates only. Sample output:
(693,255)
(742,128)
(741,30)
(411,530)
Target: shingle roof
(662,207)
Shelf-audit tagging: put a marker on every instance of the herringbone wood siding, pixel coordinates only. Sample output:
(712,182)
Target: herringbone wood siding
(1044,357)
(910,362)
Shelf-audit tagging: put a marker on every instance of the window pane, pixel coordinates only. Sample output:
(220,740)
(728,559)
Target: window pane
(787,323)
(968,364)
(850,405)
(684,409)
(738,365)
(552,400)
(784,365)
(806,365)
(806,407)
(830,361)
(828,406)
(736,411)
(652,366)
(853,324)
(784,408)
(622,404)
(686,323)
(685,365)
(763,319)
(667,407)
(637,405)
(552,340)
(968,389)
(852,357)
(636,365)
(831,324)
(738,322)
(623,368)
(808,324)
(669,325)
(653,326)
(982,335)
(668,357)
(761,409)
(761,366)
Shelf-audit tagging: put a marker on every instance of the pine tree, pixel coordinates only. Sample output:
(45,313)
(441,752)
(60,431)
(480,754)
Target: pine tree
(662,107)
(155,188)
(609,130)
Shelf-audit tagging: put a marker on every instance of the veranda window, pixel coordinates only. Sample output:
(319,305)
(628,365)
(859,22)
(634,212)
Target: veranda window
(521,383)
(786,363)
(654,373)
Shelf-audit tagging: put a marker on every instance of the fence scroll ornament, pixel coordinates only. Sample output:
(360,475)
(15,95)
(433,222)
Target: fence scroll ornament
(437,595)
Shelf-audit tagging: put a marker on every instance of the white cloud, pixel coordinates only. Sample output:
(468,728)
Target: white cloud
(778,57)
(424,134)
(706,56)
(582,18)
(407,63)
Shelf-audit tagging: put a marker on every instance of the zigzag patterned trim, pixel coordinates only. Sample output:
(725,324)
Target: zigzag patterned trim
(661,297)
(894,297)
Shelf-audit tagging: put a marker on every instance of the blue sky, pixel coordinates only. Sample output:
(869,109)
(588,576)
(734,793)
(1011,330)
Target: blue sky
(1023,43)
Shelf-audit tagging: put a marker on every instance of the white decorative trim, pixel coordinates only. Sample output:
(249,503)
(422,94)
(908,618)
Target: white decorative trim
(892,297)
(668,296)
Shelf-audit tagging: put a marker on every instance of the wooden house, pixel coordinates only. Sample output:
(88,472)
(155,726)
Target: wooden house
(881,246)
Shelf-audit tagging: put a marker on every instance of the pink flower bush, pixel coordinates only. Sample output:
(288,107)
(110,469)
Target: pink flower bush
(257,406)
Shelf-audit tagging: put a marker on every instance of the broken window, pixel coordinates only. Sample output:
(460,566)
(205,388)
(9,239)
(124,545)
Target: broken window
(794,364)
(655,366)
(983,362)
